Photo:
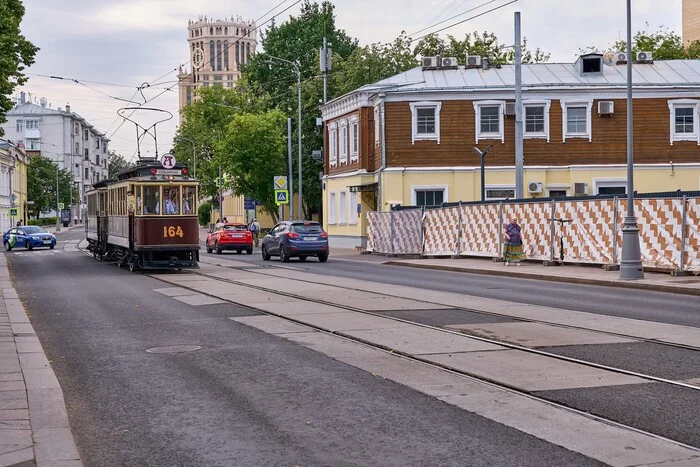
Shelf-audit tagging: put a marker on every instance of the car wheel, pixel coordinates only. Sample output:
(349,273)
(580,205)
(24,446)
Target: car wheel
(265,254)
(51,247)
(302,258)
(218,248)
(322,258)
(238,252)
(284,256)
(28,245)
(209,250)
(249,250)
(8,247)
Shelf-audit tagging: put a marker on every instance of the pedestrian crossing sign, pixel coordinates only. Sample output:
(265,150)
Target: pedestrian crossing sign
(281,197)
(13,212)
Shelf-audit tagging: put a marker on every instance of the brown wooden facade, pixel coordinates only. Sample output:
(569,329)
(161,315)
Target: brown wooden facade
(652,138)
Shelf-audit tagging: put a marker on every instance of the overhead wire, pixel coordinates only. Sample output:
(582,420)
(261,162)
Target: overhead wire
(453,17)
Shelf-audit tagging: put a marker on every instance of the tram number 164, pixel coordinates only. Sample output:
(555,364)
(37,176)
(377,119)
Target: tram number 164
(171,231)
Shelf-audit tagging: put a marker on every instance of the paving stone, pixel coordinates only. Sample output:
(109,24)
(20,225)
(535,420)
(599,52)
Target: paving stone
(16,457)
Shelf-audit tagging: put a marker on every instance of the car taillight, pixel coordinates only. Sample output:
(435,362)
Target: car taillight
(324,235)
(292,235)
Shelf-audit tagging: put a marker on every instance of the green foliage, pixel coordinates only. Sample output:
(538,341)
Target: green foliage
(484,45)
(117,163)
(43,221)
(204,213)
(41,185)
(253,153)
(663,44)
(15,52)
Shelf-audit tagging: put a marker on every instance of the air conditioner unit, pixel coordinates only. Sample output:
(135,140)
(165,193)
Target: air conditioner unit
(644,57)
(429,62)
(621,57)
(606,107)
(509,109)
(449,62)
(580,189)
(534,187)
(473,61)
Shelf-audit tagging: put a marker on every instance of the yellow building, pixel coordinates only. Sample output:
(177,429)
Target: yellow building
(691,21)
(13,184)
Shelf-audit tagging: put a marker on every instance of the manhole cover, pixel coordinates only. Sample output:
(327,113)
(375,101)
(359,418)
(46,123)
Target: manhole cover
(174,349)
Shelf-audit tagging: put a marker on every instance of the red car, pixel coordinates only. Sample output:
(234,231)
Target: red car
(230,236)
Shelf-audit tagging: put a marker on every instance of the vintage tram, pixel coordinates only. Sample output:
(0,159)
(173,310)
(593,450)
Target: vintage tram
(146,218)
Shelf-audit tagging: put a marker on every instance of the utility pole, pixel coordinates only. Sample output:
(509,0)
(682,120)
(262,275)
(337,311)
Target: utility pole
(325,56)
(519,157)
(220,183)
(290,179)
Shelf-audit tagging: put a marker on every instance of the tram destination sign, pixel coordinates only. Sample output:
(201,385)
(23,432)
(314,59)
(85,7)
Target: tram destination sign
(167,172)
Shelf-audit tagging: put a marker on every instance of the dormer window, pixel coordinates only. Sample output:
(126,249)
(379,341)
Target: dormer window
(590,64)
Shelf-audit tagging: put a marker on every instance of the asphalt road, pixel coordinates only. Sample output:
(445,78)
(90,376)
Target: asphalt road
(244,398)
(612,301)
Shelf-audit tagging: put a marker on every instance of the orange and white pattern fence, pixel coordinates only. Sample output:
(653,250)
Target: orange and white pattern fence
(586,231)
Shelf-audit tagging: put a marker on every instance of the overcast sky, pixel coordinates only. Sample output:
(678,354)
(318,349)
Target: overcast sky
(128,42)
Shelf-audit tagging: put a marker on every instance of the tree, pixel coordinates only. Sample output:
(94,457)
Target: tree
(117,163)
(298,40)
(41,185)
(15,52)
(205,125)
(484,45)
(663,44)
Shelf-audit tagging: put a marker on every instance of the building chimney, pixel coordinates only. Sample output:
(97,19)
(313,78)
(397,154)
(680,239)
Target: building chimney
(68,108)
(22,97)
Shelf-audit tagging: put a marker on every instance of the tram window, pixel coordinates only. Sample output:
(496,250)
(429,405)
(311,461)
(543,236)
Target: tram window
(151,200)
(188,197)
(172,200)
(139,205)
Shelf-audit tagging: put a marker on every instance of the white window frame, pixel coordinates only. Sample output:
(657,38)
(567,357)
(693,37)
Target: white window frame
(608,183)
(588,104)
(680,104)
(415,136)
(342,207)
(333,144)
(343,142)
(31,142)
(478,105)
(354,138)
(415,188)
(376,125)
(20,125)
(352,211)
(536,134)
(566,190)
(498,187)
(332,208)
(31,124)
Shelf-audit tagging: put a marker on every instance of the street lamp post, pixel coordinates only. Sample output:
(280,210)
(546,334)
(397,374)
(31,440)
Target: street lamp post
(296,69)
(482,154)
(631,262)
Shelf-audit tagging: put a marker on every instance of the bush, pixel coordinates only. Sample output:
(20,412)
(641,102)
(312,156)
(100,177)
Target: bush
(43,221)
(204,213)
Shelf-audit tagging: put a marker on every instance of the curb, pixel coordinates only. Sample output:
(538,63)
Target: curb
(52,441)
(546,277)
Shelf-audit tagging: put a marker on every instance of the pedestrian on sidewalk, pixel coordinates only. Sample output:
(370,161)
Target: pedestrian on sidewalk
(255,229)
(514,252)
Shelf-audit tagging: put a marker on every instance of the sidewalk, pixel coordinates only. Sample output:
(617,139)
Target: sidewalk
(34,427)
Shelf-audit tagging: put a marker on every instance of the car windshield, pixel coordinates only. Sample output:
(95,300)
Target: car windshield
(34,230)
(235,228)
(307,228)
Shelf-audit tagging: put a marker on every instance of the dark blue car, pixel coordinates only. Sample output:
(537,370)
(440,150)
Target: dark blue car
(296,239)
(28,236)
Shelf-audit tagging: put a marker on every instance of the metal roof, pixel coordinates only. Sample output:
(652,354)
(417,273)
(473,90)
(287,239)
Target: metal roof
(32,109)
(667,73)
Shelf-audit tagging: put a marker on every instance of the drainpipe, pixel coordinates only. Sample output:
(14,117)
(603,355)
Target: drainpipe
(380,191)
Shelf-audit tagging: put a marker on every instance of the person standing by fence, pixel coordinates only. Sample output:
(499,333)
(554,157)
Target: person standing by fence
(513,252)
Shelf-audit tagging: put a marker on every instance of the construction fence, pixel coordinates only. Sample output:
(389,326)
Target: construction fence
(569,230)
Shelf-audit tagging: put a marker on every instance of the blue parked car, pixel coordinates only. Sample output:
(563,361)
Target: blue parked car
(28,236)
(296,239)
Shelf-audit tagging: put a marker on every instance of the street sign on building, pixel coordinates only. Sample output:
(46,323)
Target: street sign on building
(281,197)
(280,182)
(317,155)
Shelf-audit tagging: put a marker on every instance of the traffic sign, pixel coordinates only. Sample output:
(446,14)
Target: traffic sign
(249,203)
(281,197)
(60,205)
(13,212)
(280,182)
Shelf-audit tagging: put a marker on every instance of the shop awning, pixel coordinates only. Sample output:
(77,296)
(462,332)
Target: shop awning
(368,187)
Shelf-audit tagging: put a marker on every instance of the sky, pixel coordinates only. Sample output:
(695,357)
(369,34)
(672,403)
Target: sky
(125,43)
